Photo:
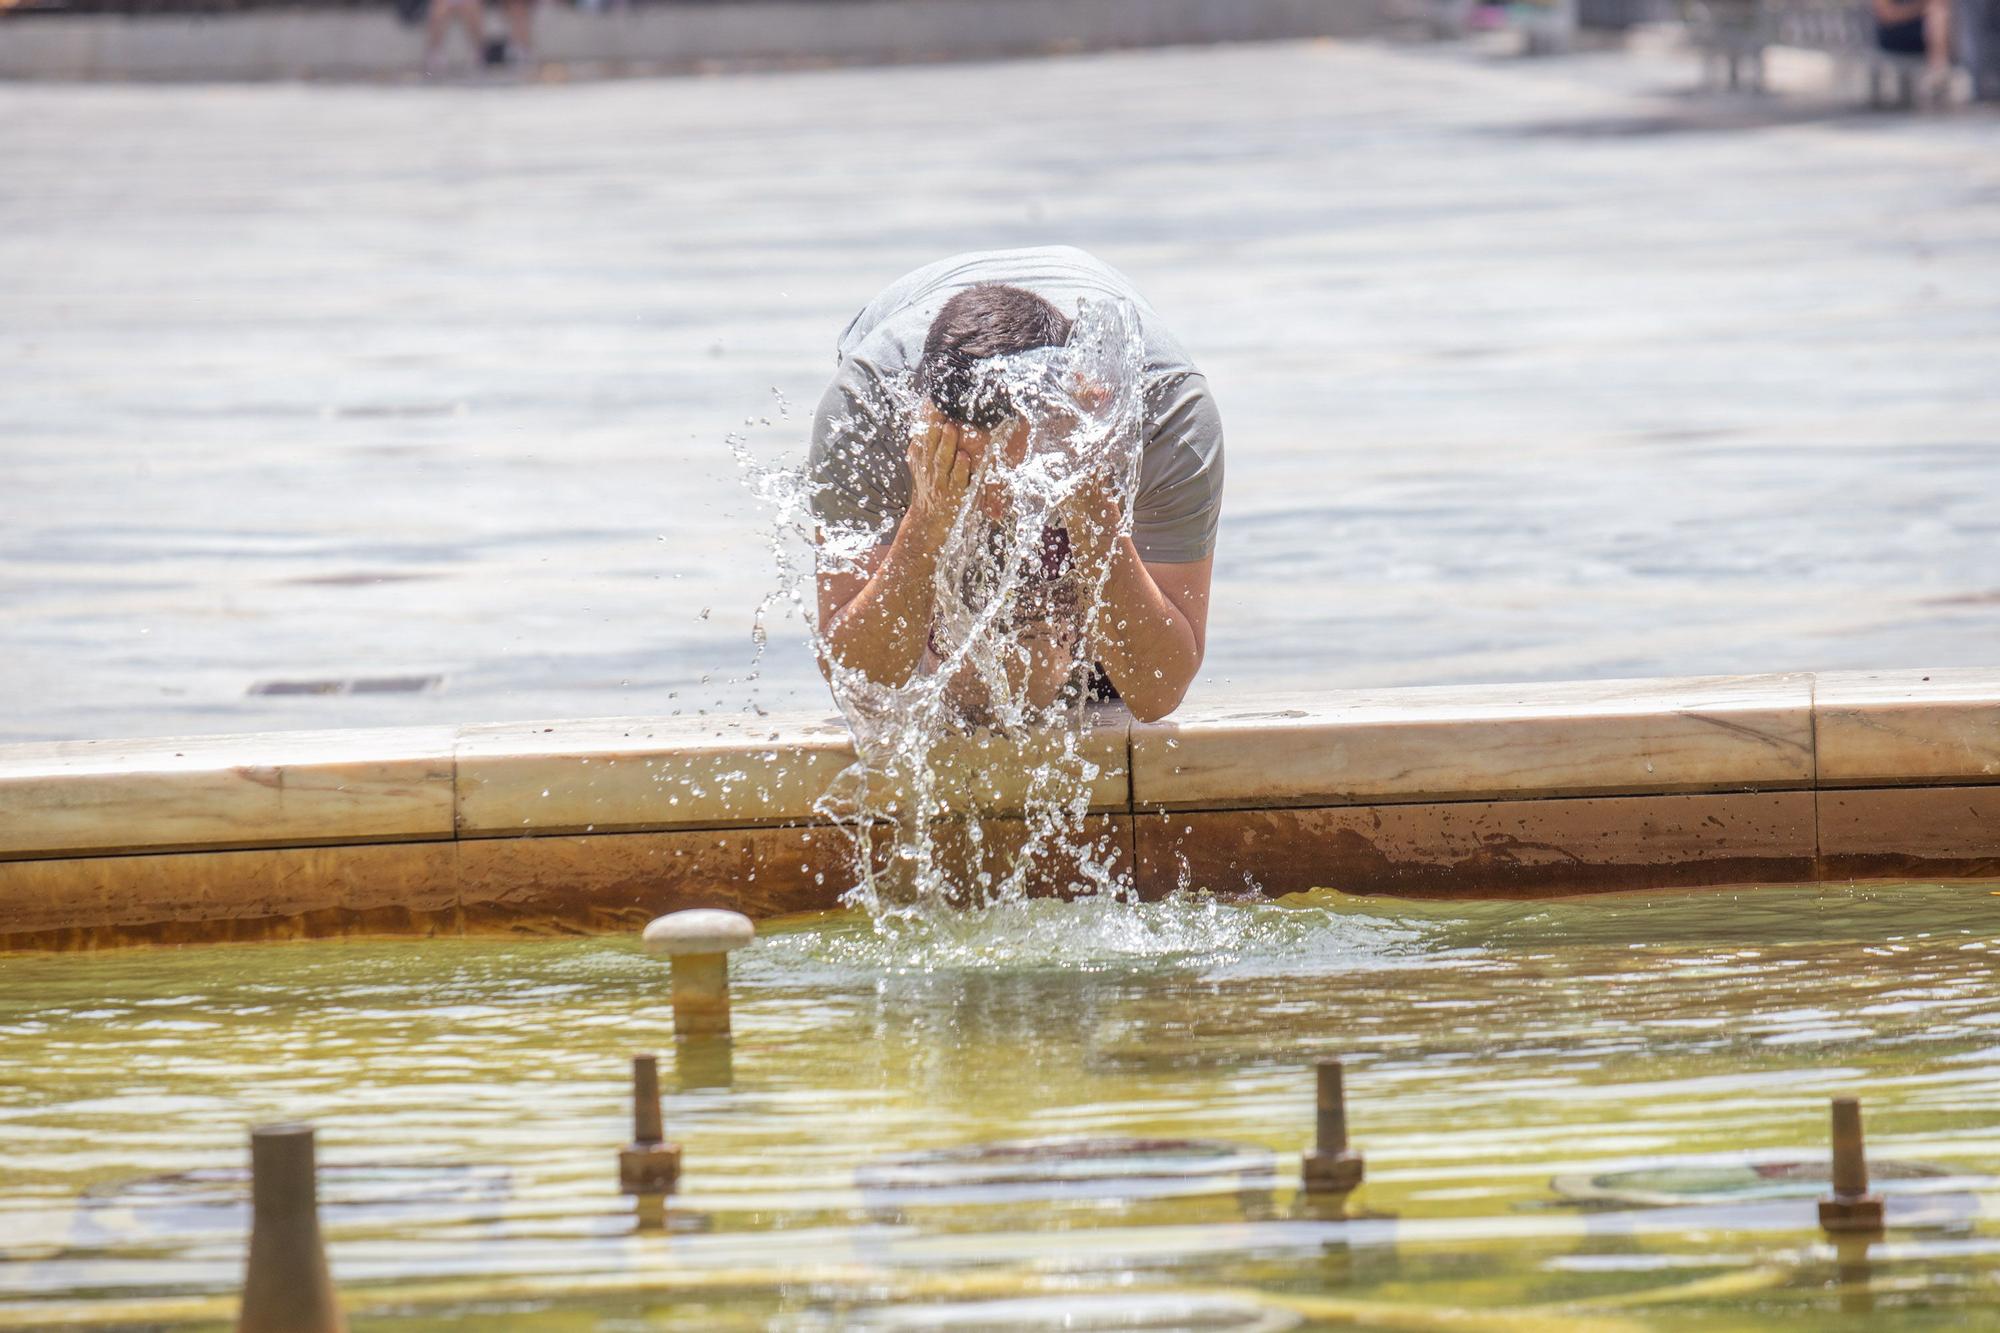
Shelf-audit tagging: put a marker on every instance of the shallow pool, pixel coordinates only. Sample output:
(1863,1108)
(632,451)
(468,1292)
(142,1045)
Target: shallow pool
(1602,1113)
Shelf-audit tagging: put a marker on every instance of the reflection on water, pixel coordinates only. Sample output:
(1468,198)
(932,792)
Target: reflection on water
(471,1096)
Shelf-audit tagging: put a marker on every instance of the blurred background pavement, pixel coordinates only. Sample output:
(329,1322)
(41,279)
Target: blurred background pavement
(409,403)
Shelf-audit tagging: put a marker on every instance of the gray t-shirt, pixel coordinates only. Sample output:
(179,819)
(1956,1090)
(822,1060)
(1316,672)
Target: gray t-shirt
(860,442)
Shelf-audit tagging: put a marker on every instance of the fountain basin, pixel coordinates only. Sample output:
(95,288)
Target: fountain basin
(605,824)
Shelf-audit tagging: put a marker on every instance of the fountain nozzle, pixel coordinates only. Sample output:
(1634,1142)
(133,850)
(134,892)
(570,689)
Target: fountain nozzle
(648,1164)
(697,945)
(1330,1166)
(1850,1208)
(287,1287)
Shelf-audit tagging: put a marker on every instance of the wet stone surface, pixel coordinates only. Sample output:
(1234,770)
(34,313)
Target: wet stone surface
(1529,371)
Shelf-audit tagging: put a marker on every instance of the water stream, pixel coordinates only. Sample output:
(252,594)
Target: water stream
(920,852)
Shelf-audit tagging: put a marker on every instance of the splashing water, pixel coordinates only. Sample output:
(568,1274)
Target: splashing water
(978,730)
(1323,934)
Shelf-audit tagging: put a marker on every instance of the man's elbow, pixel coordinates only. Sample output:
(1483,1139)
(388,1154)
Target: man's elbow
(1163,698)
(838,655)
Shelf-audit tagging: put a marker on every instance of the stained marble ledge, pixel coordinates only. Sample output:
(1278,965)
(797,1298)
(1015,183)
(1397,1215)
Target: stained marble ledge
(217,792)
(1581,738)
(637,774)
(621,774)
(988,774)
(1891,728)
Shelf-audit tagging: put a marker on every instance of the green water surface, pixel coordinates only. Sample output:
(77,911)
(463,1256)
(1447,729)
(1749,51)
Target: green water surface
(471,1095)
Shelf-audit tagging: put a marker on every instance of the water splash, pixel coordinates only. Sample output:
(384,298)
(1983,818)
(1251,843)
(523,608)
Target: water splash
(1196,934)
(978,731)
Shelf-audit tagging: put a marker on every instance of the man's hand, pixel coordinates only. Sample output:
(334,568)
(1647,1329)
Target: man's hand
(941,470)
(877,620)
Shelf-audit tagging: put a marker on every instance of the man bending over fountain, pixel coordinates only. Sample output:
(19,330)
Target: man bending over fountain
(1016,476)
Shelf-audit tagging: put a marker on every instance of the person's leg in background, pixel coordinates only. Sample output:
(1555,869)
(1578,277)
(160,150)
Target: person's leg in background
(434,26)
(473,14)
(521,31)
(1937,37)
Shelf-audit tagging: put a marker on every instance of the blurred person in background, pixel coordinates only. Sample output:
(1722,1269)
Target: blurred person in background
(520,48)
(1918,28)
(516,48)
(442,12)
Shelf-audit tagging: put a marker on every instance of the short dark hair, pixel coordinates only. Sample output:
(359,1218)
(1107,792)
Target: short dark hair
(989,320)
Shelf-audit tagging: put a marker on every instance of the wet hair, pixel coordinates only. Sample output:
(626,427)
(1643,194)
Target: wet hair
(989,320)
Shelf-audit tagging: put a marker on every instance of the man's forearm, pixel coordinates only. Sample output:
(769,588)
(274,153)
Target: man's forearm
(1147,644)
(883,632)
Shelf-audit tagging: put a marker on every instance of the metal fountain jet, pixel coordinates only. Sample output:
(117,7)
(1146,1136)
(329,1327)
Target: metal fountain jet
(287,1287)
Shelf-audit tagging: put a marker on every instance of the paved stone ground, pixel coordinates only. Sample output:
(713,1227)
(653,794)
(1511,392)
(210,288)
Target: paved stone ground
(1530,370)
